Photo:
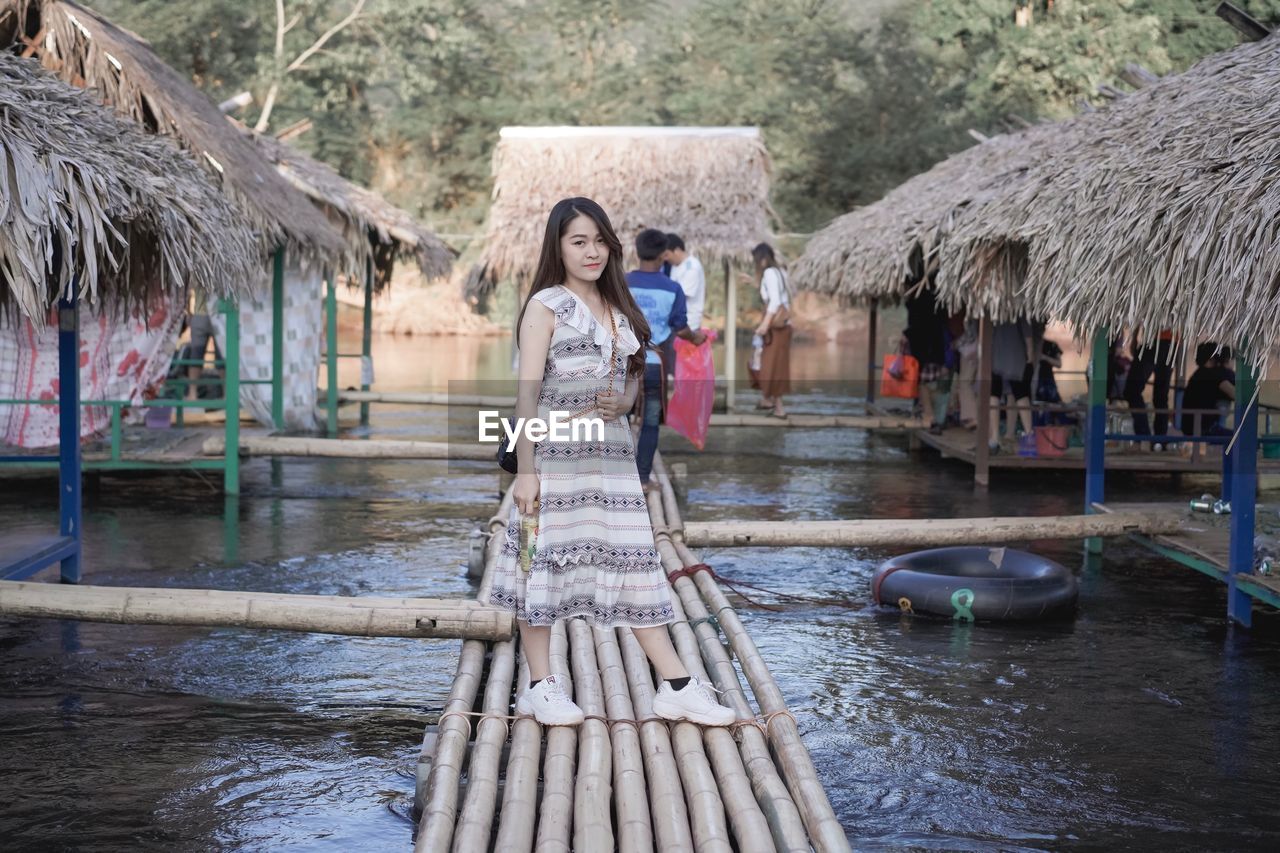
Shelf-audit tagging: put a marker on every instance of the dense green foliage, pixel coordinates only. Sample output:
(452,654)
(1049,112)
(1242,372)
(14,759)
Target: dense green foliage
(854,96)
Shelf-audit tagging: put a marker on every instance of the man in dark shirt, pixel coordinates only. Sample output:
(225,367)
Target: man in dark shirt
(663,304)
(1211,384)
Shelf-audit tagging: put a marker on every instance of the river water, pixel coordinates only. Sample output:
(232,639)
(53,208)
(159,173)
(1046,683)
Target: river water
(1145,722)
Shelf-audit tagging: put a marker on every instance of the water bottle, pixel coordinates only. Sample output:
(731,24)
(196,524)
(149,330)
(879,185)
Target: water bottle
(1221,507)
(528,539)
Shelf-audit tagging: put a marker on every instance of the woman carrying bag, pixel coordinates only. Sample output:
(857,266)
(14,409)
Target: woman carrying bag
(773,378)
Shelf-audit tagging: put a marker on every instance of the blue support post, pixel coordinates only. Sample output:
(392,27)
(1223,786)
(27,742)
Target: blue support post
(69,500)
(1096,429)
(1244,491)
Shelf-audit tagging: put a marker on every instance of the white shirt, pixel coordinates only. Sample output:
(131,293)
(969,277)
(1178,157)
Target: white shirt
(693,281)
(773,290)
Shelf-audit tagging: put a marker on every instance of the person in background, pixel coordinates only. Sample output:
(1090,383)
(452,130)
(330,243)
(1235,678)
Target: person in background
(201,327)
(1212,384)
(686,271)
(774,377)
(1150,360)
(1012,352)
(664,307)
(1117,369)
(929,341)
(965,334)
(1047,384)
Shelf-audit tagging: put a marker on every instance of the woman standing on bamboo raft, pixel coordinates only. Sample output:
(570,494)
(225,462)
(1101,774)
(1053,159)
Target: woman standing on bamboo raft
(582,343)
(774,376)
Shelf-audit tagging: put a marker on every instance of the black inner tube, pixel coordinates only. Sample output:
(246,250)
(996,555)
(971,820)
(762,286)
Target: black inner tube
(976,583)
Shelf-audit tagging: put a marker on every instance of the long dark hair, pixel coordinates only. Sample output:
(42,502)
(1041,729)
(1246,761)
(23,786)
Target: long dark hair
(764,252)
(612,282)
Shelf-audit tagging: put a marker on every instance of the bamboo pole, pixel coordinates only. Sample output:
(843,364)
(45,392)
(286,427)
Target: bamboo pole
(476,822)
(761,811)
(343,448)
(768,794)
(556,816)
(783,733)
(359,616)
(426,399)
(926,531)
(519,813)
(666,796)
(593,788)
(701,796)
(730,338)
(497,534)
(435,829)
(982,449)
(635,830)
(870,422)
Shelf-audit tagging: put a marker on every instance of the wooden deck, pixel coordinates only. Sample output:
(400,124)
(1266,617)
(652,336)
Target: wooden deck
(1203,542)
(625,779)
(960,444)
(144,446)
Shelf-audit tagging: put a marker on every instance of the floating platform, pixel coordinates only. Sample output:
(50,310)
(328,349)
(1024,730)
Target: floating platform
(625,779)
(874,421)
(1201,542)
(961,444)
(140,447)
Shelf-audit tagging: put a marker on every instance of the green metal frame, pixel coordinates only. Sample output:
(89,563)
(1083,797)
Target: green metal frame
(331,353)
(1184,558)
(277,340)
(229,464)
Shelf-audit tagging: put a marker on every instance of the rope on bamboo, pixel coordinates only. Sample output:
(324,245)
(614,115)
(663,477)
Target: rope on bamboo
(761,720)
(733,584)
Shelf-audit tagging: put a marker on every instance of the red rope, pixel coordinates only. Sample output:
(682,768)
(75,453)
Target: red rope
(733,585)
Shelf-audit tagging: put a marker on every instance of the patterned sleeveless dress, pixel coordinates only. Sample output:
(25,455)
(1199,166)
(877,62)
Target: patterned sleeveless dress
(595,555)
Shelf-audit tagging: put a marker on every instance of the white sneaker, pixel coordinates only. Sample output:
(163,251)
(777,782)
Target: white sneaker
(549,704)
(696,702)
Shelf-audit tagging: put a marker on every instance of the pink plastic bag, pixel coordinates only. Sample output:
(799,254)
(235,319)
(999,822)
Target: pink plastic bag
(689,411)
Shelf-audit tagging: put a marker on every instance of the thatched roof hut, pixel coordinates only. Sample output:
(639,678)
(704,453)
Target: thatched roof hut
(86,192)
(371,225)
(86,50)
(709,184)
(1162,209)
(874,252)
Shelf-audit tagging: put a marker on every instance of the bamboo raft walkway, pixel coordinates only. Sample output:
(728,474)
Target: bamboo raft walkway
(624,779)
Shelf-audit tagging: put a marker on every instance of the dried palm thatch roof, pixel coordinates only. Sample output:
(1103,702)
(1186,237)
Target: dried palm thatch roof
(709,184)
(85,191)
(372,226)
(87,50)
(1162,209)
(875,251)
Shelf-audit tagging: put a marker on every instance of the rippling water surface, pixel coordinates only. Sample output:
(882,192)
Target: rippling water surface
(1144,722)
